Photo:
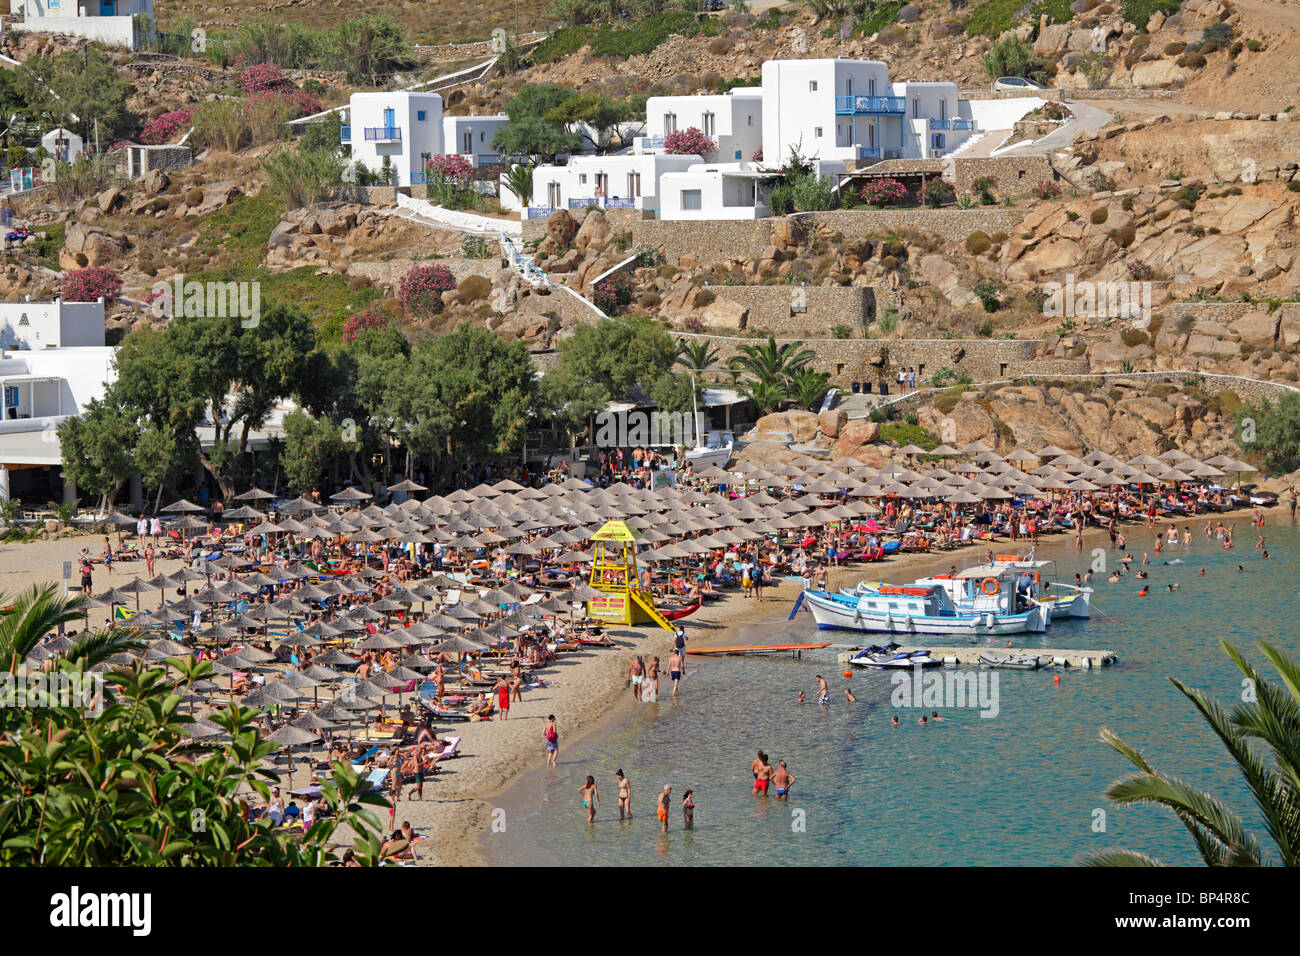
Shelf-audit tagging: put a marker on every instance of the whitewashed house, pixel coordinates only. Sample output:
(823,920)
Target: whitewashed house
(624,181)
(733,120)
(717,191)
(62,144)
(471,137)
(404,128)
(108,21)
(51,325)
(40,389)
(843,111)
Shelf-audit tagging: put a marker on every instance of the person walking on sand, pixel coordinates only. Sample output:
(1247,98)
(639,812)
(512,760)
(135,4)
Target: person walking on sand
(663,807)
(590,798)
(636,674)
(552,741)
(783,780)
(624,795)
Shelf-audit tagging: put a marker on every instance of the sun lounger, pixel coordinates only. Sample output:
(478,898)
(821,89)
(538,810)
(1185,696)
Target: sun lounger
(453,745)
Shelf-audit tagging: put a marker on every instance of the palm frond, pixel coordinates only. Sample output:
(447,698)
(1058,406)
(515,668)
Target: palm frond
(95,647)
(30,616)
(1120,858)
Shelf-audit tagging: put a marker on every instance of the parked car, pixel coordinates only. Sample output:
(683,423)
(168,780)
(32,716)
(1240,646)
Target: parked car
(1014,84)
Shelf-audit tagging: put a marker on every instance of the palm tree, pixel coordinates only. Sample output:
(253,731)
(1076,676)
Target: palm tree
(26,619)
(766,396)
(519,180)
(696,356)
(808,387)
(770,363)
(1273,717)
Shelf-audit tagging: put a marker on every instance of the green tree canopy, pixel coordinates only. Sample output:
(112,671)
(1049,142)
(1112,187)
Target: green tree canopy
(530,132)
(82,84)
(1271,431)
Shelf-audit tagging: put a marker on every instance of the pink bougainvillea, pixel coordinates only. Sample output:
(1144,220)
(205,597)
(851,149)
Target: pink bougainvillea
(422,287)
(89,285)
(689,142)
(263,78)
(163,129)
(758,155)
(451,168)
(372,318)
(299,102)
(883,192)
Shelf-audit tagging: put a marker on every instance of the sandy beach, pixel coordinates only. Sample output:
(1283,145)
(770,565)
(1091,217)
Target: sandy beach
(587,690)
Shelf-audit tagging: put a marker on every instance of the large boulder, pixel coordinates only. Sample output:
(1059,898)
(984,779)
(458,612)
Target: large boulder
(855,435)
(803,424)
(595,233)
(724,315)
(1158,73)
(832,421)
(560,227)
(787,234)
(216,196)
(1258,327)
(85,245)
(154,182)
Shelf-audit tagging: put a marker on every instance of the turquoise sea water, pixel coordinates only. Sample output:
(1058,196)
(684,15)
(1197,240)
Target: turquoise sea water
(1018,789)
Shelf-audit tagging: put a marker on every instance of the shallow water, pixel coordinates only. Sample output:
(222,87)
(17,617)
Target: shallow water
(1021,788)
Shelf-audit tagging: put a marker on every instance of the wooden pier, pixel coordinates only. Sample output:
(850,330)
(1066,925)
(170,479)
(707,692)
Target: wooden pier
(969,656)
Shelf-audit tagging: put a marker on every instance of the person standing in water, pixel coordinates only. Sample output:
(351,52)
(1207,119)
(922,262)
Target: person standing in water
(783,780)
(663,807)
(675,669)
(763,777)
(624,795)
(590,798)
(823,692)
(688,810)
(636,674)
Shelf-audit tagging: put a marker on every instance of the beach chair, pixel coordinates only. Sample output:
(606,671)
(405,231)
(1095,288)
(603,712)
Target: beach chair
(377,779)
(453,746)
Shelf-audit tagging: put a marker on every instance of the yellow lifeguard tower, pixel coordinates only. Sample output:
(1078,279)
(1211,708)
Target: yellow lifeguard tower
(613,570)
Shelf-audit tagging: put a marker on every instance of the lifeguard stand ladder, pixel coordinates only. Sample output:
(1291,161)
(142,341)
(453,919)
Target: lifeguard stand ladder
(613,571)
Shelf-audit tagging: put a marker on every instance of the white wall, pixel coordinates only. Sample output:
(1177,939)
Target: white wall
(577,180)
(114,31)
(51,325)
(737,120)
(481,129)
(794,112)
(721,196)
(89,9)
(419,137)
(1002,114)
(71,141)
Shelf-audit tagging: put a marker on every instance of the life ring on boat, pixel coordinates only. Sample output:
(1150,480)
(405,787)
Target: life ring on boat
(984,585)
(609,577)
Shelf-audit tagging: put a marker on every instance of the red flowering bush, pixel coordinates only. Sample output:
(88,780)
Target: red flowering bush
(450,168)
(263,78)
(1048,190)
(165,128)
(689,142)
(120,144)
(758,155)
(614,293)
(883,192)
(89,285)
(372,318)
(298,102)
(422,287)
(937,193)
(692,323)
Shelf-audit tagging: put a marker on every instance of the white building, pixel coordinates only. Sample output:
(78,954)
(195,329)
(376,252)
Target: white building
(108,21)
(715,191)
(40,389)
(37,326)
(471,137)
(62,144)
(406,128)
(627,180)
(733,120)
(842,111)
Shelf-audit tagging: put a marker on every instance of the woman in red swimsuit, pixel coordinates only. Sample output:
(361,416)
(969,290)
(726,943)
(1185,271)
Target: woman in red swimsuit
(503,697)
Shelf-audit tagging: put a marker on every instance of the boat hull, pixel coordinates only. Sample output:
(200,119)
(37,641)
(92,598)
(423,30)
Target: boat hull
(844,616)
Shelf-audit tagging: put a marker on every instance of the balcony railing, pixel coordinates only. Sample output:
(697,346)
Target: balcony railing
(488,159)
(868,152)
(381,134)
(651,142)
(419,179)
(604,202)
(539,212)
(345,134)
(849,105)
(938,124)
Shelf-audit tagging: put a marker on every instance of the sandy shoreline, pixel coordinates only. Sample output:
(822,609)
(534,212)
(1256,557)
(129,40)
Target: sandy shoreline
(585,690)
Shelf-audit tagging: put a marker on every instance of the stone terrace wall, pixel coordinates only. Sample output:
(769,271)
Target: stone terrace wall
(801,310)
(877,361)
(617,218)
(1015,174)
(717,241)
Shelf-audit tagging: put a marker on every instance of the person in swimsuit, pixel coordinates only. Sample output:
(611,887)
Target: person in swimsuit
(688,809)
(675,670)
(636,674)
(763,777)
(502,688)
(782,779)
(757,763)
(823,692)
(552,741)
(590,798)
(624,795)
(663,807)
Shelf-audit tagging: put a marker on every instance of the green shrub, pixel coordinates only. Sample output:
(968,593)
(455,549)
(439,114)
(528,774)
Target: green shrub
(1173,49)
(1099,215)
(1124,235)
(978,242)
(1138,12)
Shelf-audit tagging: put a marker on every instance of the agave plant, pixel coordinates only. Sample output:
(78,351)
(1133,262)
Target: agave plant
(1272,718)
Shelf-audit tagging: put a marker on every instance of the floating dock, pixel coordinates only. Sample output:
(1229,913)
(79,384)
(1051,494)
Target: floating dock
(969,656)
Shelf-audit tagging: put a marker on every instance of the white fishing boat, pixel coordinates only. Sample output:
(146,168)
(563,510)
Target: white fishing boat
(713,449)
(915,610)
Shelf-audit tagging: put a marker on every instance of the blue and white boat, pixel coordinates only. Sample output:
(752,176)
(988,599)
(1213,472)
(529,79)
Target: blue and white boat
(916,609)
